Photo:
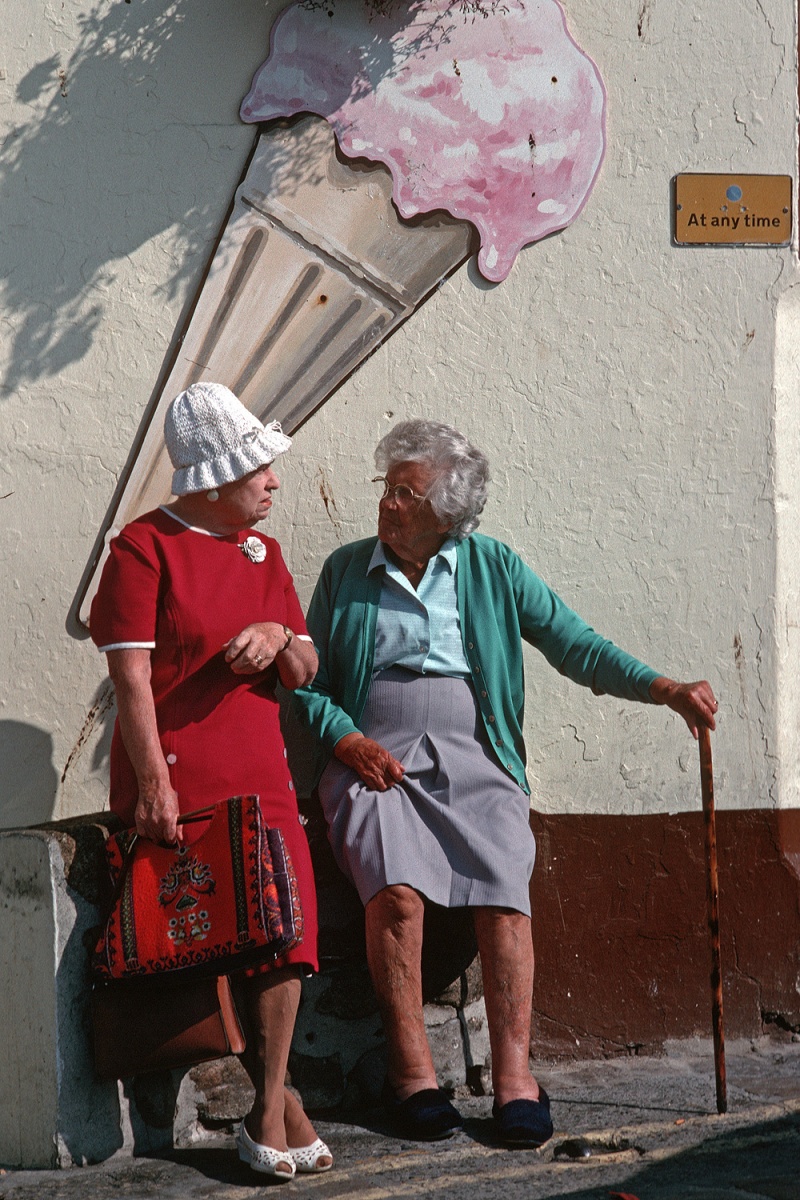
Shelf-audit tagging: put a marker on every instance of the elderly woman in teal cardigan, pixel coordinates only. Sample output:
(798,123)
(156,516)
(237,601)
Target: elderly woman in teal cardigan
(418,707)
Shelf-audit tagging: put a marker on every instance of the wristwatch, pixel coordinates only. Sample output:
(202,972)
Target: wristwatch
(289,639)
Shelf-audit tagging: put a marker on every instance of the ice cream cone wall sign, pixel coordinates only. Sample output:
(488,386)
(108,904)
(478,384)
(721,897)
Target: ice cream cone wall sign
(498,119)
(492,124)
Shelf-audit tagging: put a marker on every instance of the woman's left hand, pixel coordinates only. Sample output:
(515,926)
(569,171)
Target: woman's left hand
(255,648)
(695,702)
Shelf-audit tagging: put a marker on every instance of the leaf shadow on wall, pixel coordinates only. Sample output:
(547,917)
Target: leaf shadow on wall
(82,178)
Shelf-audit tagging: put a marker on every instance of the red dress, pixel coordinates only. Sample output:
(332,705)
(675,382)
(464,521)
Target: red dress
(182,593)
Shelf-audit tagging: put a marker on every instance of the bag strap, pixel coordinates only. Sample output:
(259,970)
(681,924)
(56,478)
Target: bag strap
(200,814)
(230,1017)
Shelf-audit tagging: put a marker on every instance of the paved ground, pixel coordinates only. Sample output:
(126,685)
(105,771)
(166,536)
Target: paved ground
(645,1127)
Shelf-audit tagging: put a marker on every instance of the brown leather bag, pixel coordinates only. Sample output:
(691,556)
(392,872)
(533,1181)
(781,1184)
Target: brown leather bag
(143,1025)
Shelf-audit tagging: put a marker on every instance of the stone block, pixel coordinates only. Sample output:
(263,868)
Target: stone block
(54,1111)
(477,1052)
(465,988)
(221,1093)
(476,1033)
(365,1081)
(447,1046)
(337,1024)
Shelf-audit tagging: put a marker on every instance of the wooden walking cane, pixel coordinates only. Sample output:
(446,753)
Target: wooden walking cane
(712,897)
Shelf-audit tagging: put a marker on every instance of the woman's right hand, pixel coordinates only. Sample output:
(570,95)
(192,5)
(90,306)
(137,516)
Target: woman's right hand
(370,760)
(157,812)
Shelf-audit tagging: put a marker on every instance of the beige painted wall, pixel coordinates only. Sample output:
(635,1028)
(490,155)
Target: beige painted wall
(637,400)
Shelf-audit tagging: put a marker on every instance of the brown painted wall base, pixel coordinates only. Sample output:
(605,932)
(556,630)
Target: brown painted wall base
(623,955)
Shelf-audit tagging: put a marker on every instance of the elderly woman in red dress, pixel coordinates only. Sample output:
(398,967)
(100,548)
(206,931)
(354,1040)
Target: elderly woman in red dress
(199,619)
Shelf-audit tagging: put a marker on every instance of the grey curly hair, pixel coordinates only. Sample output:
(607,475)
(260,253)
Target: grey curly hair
(459,491)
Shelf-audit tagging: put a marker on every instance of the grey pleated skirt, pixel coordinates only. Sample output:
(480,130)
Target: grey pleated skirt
(456,827)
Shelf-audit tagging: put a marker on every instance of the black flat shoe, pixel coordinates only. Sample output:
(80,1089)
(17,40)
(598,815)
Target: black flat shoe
(426,1116)
(524,1123)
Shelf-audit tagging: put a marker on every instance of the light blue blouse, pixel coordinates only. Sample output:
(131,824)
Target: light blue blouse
(419,629)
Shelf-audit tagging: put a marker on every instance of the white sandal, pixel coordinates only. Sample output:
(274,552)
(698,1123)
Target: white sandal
(264,1158)
(306,1158)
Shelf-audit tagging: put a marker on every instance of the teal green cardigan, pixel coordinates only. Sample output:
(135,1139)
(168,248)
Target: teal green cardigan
(501,602)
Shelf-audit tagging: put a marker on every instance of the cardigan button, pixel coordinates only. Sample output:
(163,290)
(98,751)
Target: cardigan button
(172,759)
(492,719)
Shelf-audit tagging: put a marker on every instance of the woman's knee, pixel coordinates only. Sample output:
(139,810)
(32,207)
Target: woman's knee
(396,906)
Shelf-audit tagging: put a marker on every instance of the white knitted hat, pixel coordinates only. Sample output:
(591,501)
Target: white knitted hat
(213,439)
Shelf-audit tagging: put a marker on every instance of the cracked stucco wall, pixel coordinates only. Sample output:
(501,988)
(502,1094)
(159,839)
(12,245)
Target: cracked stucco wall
(637,400)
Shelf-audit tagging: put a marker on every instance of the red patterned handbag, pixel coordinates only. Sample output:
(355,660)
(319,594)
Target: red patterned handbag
(227,901)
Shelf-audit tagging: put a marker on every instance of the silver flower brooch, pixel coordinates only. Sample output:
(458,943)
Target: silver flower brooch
(254,549)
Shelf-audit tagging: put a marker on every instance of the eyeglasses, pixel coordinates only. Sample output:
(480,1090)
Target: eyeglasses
(401,493)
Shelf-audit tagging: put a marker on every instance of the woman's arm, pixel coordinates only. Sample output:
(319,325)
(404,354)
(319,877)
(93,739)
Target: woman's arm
(157,807)
(265,642)
(371,761)
(695,702)
(297,663)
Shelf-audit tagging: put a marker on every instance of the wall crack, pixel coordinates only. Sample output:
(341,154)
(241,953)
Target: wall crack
(104,702)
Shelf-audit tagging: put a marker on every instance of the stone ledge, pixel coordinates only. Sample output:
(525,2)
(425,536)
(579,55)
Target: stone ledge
(53,1109)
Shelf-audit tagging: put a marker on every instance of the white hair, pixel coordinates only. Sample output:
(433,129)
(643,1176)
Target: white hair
(459,490)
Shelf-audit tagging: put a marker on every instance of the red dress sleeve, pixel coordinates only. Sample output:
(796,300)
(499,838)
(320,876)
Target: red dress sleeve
(123,613)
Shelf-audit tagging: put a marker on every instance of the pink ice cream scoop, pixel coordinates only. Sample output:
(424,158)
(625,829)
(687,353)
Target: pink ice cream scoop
(497,119)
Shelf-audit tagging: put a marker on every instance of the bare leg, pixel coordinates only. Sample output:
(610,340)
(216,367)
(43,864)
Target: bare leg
(506,950)
(394,954)
(299,1130)
(268,1005)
